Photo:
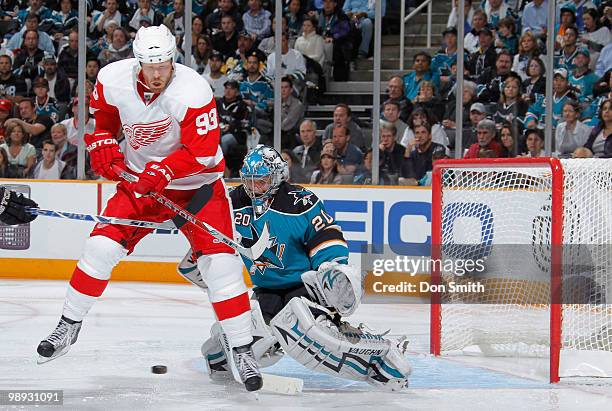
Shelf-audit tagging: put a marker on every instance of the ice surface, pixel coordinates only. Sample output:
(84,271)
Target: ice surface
(138,325)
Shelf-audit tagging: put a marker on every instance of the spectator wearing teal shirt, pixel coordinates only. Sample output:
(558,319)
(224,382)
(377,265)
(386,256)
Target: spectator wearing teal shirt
(582,78)
(422,72)
(562,93)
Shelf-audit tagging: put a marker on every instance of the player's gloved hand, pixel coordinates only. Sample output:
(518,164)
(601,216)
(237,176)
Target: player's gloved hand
(104,153)
(13,207)
(154,178)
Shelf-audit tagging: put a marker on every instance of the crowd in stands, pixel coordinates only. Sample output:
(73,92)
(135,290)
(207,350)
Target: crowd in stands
(233,48)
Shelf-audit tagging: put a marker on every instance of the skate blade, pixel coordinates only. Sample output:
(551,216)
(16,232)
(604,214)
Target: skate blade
(42,360)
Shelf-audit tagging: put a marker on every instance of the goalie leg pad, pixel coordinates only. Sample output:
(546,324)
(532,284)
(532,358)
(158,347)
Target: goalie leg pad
(188,269)
(343,351)
(264,347)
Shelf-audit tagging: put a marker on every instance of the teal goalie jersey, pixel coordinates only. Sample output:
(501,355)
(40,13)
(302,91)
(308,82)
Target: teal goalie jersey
(302,236)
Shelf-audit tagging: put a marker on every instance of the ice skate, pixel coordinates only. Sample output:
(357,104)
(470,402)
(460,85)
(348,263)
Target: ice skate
(247,368)
(59,341)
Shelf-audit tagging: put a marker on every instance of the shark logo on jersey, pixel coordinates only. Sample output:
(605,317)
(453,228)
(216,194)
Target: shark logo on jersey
(301,196)
(271,257)
(144,134)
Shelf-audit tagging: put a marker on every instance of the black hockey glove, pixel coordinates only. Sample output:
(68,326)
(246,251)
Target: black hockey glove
(13,207)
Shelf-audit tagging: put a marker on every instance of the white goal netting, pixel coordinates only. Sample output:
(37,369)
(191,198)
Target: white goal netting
(504,216)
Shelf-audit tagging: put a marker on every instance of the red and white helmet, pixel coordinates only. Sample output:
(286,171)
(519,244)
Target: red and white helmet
(154,44)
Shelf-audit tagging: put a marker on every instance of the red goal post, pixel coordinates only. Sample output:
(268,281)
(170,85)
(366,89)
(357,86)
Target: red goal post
(514,187)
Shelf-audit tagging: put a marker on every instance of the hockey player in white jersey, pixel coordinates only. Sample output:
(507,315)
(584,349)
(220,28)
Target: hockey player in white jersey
(303,285)
(169,119)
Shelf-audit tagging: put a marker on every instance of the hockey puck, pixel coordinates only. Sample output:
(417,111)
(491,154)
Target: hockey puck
(159,369)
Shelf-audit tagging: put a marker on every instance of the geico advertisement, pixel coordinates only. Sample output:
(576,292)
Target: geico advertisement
(375,216)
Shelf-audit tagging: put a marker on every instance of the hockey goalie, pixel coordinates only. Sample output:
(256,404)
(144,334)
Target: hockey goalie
(303,286)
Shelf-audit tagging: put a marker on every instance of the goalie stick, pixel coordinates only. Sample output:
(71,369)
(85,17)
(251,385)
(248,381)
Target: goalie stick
(252,253)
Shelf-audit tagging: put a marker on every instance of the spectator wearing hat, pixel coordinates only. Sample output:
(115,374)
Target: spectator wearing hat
(484,57)
(226,40)
(534,140)
(6,107)
(27,60)
(477,112)
(59,85)
(292,113)
(564,58)
(215,77)
(45,104)
(237,62)
(31,23)
(579,8)
(12,87)
(472,39)
(233,118)
(214,19)
(256,20)
(71,124)
(582,79)
(418,159)
(446,56)
(146,12)
(567,19)
(561,93)
(486,132)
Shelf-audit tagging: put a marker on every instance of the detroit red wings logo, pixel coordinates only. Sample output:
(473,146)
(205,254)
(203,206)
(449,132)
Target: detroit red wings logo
(144,134)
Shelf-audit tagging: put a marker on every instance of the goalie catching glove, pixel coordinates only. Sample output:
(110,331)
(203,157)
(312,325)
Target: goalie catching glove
(13,207)
(104,153)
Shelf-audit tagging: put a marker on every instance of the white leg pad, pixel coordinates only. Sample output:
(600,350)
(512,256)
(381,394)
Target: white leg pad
(100,256)
(223,275)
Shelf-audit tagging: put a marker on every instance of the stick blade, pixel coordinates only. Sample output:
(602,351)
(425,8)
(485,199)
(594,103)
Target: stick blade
(282,385)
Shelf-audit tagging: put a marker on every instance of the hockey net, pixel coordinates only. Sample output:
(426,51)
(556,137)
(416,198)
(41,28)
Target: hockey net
(543,230)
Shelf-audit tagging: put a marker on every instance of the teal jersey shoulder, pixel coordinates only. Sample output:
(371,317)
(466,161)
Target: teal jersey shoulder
(302,236)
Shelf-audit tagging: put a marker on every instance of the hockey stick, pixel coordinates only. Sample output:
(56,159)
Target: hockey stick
(166,225)
(252,253)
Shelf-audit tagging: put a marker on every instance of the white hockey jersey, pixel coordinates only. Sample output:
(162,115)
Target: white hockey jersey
(178,127)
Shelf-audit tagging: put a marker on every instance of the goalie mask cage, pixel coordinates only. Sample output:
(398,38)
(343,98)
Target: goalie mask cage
(543,228)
